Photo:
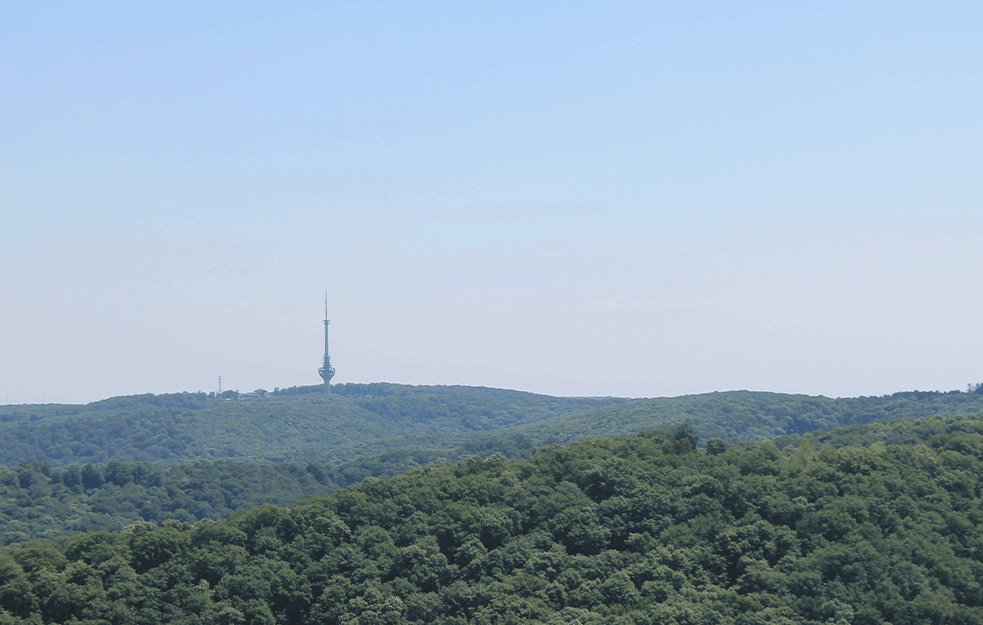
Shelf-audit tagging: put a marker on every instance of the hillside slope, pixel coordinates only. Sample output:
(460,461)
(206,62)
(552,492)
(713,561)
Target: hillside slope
(749,416)
(617,531)
(365,420)
(354,421)
(37,500)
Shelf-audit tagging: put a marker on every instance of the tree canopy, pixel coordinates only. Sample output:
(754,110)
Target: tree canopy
(358,421)
(645,529)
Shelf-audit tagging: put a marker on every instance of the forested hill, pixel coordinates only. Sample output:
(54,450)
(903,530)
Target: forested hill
(40,501)
(748,416)
(613,531)
(304,424)
(299,424)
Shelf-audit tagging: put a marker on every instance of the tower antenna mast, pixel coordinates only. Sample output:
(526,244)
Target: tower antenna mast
(326,371)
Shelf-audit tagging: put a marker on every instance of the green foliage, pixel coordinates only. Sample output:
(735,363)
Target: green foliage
(290,425)
(889,432)
(39,501)
(746,416)
(313,444)
(644,529)
(413,424)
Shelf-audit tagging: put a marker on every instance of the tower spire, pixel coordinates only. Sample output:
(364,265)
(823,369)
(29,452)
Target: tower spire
(326,371)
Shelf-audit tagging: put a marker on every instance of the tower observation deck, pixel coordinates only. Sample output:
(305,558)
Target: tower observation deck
(326,371)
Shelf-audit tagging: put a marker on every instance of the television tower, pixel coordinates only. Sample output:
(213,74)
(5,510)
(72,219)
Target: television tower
(326,371)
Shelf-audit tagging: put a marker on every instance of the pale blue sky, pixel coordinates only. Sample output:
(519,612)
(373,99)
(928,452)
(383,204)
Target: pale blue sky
(578,198)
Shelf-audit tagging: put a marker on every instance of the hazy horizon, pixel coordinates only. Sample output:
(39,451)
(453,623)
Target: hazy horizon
(587,199)
(270,390)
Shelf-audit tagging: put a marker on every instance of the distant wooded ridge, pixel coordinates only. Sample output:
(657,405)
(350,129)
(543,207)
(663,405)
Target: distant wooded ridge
(363,421)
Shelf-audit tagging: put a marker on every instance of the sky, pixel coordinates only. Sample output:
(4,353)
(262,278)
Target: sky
(570,198)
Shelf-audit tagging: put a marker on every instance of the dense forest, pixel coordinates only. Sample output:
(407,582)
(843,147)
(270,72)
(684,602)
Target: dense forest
(358,421)
(38,501)
(651,528)
(284,426)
